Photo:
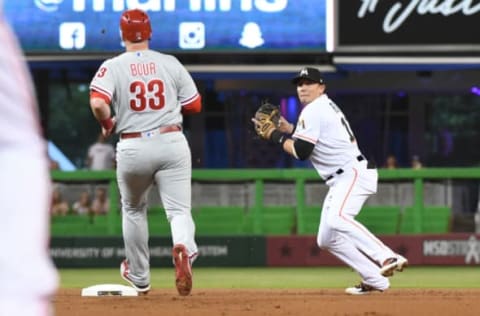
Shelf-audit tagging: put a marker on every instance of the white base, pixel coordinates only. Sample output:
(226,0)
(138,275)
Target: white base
(109,290)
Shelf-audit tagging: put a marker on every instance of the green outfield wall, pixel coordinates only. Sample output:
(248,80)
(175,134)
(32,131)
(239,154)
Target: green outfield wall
(257,218)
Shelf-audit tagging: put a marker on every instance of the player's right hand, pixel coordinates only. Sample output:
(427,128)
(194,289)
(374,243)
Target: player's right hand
(285,126)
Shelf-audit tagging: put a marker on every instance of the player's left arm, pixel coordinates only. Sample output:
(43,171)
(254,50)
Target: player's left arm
(193,106)
(190,99)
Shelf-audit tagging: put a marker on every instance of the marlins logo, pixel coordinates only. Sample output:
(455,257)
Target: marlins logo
(302,123)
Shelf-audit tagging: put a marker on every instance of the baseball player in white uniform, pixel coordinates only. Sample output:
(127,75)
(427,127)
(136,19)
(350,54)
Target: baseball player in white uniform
(149,91)
(29,278)
(323,135)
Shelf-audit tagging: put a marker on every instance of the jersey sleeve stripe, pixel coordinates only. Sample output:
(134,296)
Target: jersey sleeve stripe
(190,100)
(101,90)
(193,107)
(96,94)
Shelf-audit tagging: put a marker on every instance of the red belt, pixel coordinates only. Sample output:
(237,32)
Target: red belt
(161,130)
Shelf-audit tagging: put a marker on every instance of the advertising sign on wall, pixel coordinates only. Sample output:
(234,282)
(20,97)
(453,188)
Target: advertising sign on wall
(82,252)
(446,249)
(274,251)
(406,25)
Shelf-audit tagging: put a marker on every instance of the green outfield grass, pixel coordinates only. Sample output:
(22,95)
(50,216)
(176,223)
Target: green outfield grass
(278,278)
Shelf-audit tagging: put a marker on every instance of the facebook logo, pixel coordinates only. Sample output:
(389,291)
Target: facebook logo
(72,35)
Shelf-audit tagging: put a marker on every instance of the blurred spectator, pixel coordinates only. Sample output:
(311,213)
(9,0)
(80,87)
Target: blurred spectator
(101,155)
(391,162)
(416,163)
(100,204)
(59,205)
(83,206)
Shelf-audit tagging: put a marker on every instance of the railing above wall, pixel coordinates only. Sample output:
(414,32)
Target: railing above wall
(260,176)
(282,174)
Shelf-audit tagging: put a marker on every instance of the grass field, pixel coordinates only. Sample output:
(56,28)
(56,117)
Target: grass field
(278,278)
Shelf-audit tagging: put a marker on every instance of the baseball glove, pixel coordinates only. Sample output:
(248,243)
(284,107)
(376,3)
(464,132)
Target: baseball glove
(266,119)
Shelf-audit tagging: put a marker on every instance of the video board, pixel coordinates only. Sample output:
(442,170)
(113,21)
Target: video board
(204,26)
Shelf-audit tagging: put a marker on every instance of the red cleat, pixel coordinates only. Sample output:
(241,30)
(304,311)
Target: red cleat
(183,270)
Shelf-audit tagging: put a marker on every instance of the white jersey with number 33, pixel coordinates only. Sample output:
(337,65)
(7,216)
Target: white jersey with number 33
(143,87)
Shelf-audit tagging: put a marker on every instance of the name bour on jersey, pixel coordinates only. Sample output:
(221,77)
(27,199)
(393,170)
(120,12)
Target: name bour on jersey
(143,69)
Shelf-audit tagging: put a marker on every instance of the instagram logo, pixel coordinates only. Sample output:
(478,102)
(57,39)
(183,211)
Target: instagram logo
(191,35)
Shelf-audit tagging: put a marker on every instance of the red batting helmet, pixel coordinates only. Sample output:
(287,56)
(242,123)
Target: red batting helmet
(135,26)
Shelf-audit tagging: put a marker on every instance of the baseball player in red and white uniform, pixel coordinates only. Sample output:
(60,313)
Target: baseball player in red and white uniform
(149,91)
(28,276)
(323,135)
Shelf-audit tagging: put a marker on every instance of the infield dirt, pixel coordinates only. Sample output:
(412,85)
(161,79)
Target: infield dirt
(233,302)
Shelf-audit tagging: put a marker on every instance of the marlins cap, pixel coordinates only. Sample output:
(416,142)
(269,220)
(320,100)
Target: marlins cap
(309,73)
